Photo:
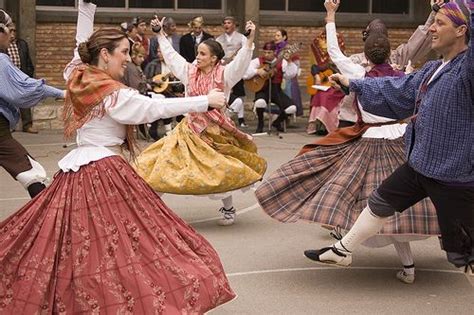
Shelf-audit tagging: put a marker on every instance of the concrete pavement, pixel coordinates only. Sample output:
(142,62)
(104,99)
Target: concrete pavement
(264,258)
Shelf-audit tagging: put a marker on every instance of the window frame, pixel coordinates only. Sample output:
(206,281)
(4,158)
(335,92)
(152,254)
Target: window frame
(345,19)
(127,8)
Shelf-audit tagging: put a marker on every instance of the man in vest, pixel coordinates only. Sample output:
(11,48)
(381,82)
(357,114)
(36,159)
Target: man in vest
(266,65)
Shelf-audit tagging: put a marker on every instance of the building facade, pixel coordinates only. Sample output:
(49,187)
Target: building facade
(49,26)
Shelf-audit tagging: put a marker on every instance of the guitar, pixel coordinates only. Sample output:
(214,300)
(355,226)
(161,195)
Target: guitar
(226,61)
(256,83)
(324,77)
(161,82)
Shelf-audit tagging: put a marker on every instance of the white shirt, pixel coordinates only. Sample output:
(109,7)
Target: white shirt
(355,71)
(233,71)
(290,69)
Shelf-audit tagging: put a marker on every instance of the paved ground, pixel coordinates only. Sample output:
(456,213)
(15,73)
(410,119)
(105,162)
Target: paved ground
(264,259)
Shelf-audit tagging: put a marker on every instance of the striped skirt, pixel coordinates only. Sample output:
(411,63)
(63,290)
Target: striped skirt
(331,184)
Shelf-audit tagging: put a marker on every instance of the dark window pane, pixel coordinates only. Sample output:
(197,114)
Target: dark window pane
(159,4)
(111,3)
(392,7)
(66,3)
(272,5)
(305,5)
(357,6)
(199,4)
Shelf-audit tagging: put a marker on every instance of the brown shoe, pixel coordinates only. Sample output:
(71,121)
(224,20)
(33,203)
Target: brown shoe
(30,130)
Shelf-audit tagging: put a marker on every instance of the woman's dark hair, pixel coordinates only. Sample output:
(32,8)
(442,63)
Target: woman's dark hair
(283,33)
(215,48)
(377,26)
(377,48)
(108,38)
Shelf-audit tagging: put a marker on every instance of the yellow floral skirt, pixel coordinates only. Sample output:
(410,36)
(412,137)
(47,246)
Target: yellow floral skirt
(187,164)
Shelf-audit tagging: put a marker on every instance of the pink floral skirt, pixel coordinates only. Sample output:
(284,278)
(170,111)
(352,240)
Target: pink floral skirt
(102,241)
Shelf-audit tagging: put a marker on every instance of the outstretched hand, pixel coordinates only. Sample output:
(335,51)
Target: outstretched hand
(216,98)
(339,81)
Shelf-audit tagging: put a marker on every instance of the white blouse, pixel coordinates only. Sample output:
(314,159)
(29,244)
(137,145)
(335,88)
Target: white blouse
(233,72)
(100,137)
(355,71)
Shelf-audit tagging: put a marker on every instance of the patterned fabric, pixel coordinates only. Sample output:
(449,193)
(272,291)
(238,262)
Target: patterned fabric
(331,184)
(100,241)
(213,162)
(87,88)
(453,11)
(319,49)
(14,54)
(201,84)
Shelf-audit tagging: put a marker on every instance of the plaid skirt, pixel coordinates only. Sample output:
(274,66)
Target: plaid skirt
(331,184)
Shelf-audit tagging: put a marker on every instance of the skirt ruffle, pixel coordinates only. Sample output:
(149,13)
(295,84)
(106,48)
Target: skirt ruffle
(212,163)
(331,185)
(100,240)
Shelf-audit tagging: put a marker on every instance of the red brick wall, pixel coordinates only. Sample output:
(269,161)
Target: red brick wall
(55,43)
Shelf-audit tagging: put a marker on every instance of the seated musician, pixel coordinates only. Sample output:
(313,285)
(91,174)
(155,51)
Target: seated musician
(161,85)
(324,105)
(263,68)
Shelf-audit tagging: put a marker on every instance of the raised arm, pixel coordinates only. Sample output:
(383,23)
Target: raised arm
(417,46)
(133,108)
(347,67)
(21,90)
(84,29)
(236,69)
(388,96)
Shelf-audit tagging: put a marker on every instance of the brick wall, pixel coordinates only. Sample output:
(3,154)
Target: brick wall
(55,43)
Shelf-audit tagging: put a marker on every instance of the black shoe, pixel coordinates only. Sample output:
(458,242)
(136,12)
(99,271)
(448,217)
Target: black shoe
(335,258)
(278,127)
(259,130)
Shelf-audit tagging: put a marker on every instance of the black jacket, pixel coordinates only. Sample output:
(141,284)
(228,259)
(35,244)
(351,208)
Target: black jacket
(25,59)
(186,45)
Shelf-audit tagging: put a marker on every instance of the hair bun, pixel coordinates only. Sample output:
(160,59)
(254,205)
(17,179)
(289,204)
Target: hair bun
(84,53)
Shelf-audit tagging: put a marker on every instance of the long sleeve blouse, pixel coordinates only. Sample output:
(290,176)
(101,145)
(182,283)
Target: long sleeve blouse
(353,70)
(233,72)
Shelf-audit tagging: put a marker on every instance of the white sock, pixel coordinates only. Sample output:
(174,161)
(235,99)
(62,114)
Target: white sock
(367,225)
(238,107)
(404,252)
(228,204)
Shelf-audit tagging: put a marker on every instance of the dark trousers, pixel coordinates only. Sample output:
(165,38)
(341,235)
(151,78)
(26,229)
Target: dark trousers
(26,118)
(278,97)
(454,208)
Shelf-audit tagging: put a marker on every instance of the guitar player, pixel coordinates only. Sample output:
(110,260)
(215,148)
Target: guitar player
(266,66)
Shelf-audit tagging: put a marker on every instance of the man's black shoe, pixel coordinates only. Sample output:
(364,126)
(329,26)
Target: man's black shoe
(278,127)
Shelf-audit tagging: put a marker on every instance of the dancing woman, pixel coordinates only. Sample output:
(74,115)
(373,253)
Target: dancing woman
(332,180)
(99,239)
(205,154)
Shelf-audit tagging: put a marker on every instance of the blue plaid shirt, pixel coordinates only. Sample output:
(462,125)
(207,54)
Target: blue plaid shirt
(440,142)
(17,90)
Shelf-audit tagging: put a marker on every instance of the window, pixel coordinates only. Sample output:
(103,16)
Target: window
(63,3)
(144,4)
(200,4)
(353,6)
(162,4)
(391,7)
(278,5)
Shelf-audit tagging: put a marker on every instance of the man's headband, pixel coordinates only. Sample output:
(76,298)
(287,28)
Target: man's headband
(453,11)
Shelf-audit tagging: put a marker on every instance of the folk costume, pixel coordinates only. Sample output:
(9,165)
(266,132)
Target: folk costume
(330,181)
(20,91)
(99,239)
(291,86)
(271,90)
(324,105)
(205,154)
